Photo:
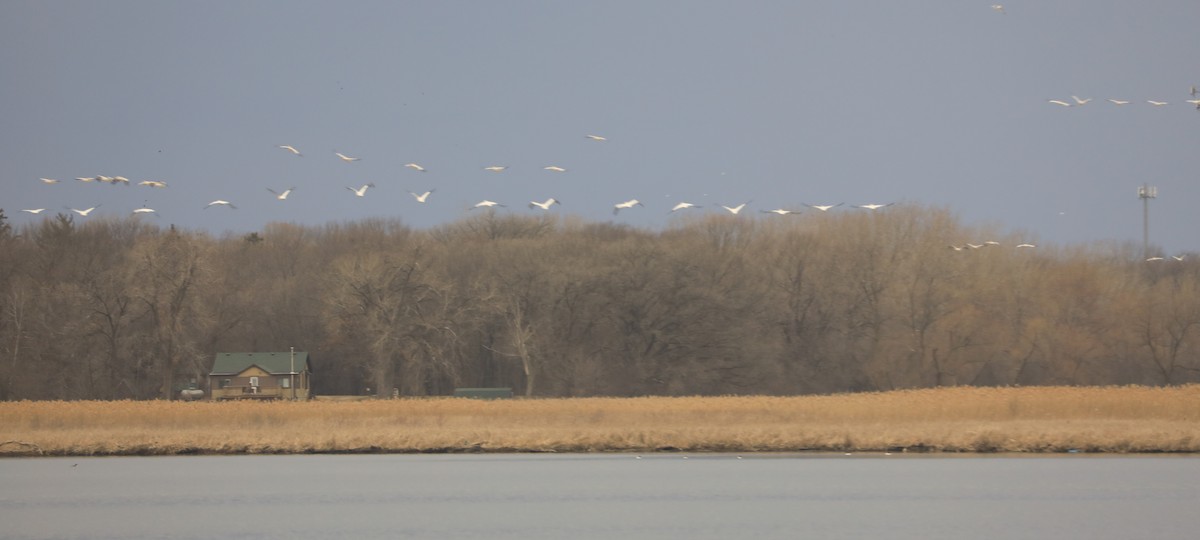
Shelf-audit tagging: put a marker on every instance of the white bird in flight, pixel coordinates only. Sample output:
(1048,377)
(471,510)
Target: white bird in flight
(873,206)
(487,204)
(86,179)
(998,8)
(421,198)
(684,206)
(735,209)
(291,149)
(1026,245)
(144,210)
(1156,103)
(362,190)
(1059,102)
(780,211)
(220,202)
(34,210)
(84,212)
(495,168)
(596,138)
(824,207)
(346,158)
(152,183)
(554,168)
(48,180)
(282,196)
(1119,101)
(544,205)
(627,204)
(415,167)
(1080,101)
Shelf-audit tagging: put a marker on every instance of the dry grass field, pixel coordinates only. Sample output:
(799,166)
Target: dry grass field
(1045,419)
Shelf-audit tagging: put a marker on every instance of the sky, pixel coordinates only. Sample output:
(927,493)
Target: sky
(943,104)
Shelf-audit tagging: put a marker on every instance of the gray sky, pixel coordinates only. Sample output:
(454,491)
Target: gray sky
(783,103)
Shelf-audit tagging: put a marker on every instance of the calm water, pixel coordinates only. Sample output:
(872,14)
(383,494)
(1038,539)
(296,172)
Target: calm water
(601,496)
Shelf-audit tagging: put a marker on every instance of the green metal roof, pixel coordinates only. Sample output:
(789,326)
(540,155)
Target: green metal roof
(271,362)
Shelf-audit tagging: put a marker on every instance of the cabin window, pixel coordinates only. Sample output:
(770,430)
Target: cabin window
(253,381)
(284,383)
(225,383)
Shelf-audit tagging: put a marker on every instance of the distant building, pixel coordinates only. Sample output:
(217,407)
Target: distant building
(264,375)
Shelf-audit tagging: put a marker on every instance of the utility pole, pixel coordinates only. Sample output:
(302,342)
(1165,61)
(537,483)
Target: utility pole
(1145,193)
(293,373)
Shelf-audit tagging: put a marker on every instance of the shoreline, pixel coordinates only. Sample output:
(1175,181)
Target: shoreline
(957,420)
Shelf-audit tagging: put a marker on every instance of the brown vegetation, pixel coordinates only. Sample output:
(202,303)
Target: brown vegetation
(712,305)
(962,419)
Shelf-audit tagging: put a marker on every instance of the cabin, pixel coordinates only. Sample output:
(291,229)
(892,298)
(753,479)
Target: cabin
(261,375)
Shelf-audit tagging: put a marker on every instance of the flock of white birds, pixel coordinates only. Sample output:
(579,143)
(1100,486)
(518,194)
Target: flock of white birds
(424,197)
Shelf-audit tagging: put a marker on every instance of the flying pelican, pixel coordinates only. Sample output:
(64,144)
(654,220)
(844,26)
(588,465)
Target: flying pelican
(487,204)
(1156,103)
(596,138)
(824,207)
(34,210)
(152,183)
(1026,245)
(1079,101)
(86,179)
(555,168)
(998,8)
(1152,259)
(974,246)
(684,206)
(991,243)
(873,206)
(48,180)
(957,248)
(362,190)
(345,158)
(1179,258)
(495,168)
(119,180)
(219,202)
(627,204)
(144,210)
(415,167)
(102,178)
(282,196)
(84,213)
(1059,102)
(291,149)
(545,205)
(423,196)
(1195,102)
(735,209)
(1119,101)
(780,211)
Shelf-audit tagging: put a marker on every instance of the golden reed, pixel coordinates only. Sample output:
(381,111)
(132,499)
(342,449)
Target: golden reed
(961,419)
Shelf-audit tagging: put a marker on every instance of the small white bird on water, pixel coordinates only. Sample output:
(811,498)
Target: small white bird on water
(345,158)
(282,196)
(421,198)
(544,205)
(627,204)
(34,210)
(415,167)
(487,204)
(220,202)
(554,168)
(362,190)
(684,206)
(291,149)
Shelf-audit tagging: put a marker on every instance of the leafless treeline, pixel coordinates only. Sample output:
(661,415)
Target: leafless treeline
(558,307)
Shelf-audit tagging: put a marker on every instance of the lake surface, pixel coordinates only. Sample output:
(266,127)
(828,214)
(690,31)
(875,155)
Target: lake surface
(601,496)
